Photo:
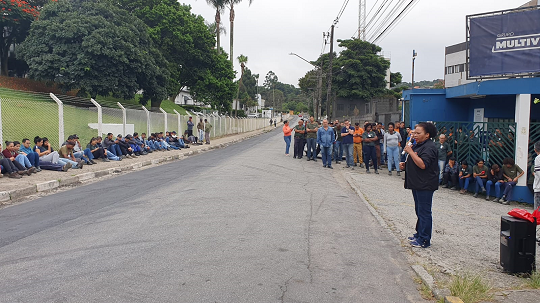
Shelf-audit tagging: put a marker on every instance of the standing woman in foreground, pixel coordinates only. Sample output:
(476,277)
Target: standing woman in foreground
(287,136)
(422,177)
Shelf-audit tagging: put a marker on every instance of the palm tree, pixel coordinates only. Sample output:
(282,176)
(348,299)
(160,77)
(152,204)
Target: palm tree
(243,61)
(219,5)
(231,4)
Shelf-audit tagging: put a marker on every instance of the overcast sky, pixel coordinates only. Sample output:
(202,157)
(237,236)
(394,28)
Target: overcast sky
(268,30)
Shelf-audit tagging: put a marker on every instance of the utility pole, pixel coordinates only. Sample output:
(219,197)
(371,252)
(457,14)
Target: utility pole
(329,78)
(317,109)
(413,58)
(362,20)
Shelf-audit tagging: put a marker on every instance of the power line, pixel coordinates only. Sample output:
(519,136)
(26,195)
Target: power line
(376,29)
(341,11)
(396,20)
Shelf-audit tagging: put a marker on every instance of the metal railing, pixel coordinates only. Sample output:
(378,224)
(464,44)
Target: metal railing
(471,141)
(27,115)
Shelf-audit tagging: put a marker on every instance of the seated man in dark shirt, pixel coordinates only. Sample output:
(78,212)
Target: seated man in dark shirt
(450,174)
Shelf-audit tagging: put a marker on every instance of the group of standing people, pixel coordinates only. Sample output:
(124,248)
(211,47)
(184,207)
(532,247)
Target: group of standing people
(367,146)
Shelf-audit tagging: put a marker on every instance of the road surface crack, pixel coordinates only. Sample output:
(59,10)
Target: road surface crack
(284,290)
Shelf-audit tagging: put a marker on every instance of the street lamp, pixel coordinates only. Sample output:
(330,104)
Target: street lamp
(414,54)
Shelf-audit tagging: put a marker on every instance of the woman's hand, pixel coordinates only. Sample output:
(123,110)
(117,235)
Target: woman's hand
(408,149)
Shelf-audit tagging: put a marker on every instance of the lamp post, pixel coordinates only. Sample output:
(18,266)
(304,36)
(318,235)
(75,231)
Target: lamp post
(414,54)
(316,108)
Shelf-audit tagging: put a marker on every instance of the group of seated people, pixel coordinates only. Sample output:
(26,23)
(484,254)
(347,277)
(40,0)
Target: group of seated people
(500,178)
(17,159)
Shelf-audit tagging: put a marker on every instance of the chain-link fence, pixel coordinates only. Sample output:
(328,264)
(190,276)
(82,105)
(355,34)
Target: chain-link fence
(27,115)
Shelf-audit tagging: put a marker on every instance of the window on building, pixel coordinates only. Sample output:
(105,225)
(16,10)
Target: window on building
(351,107)
(340,107)
(368,108)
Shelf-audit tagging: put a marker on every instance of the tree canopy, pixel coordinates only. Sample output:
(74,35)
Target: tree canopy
(359,71)
(96,48)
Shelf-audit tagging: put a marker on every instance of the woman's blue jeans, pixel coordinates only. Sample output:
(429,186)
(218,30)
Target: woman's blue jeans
(393,157)
(497,188)
(423,200)
(287,143)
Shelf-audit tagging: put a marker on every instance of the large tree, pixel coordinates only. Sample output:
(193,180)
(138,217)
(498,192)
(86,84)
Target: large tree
(96,48)
(217,87)
(359,72)
(219,5)
(184,40)
(231,4)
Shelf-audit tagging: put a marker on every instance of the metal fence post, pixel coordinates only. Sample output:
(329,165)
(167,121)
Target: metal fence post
(147,121)
(124,118)
(60,119)
(179,121)
(99,117)
(165,116)
(214,126)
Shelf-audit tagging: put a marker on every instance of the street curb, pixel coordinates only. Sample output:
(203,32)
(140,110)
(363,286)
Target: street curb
(49,185)
(426,278)
(16,194)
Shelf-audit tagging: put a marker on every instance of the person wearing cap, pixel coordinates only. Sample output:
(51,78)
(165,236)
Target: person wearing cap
(190,125)
(207,129)
(67,156)
(133,144)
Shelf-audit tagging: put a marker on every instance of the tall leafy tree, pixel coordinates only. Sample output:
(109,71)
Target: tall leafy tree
(231,4)
(217,87)
(96,48)
(219,5)
(184,40)
(359,71)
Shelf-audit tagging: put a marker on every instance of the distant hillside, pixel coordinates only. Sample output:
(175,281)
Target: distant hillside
(422,84)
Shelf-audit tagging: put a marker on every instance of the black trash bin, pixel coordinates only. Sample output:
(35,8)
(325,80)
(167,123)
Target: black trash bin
(518,245)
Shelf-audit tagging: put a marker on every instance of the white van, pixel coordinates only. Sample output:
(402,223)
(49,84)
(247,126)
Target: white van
(253,115)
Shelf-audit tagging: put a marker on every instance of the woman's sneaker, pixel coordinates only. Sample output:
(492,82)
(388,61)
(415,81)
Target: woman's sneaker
(415,243)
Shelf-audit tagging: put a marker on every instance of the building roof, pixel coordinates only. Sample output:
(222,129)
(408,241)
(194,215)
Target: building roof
(455,48)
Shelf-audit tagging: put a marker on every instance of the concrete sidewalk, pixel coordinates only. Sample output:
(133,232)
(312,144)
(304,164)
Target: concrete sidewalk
(465,232)
(44,181)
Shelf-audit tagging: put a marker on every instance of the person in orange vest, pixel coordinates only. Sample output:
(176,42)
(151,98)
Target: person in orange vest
(357,145)
(287,136)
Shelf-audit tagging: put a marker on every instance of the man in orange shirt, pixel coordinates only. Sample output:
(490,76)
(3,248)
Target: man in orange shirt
(357,146)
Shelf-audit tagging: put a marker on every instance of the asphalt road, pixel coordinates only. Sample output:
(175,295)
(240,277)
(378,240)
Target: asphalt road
(240,224)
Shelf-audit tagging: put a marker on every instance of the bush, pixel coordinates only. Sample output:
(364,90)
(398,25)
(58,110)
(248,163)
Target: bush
(470,288)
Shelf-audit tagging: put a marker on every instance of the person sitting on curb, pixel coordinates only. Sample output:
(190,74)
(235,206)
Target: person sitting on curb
(450,174)
(511,174)
(48,158)
(66,155)
(495,178)
(80,153)
(111,144)
(145,149)
(465,176)
(480,175)
(9,168)
(109,155)
(97,151)
(134,146)
(32,156)
(147,145)
(9,153)
(126,149)
(22,158)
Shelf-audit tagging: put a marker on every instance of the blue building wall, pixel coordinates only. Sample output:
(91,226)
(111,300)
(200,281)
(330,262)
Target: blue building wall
(497,97)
